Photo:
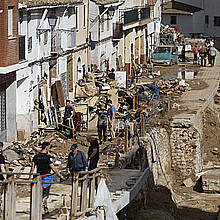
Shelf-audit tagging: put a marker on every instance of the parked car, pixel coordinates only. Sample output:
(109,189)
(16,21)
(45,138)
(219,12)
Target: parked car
(167,55)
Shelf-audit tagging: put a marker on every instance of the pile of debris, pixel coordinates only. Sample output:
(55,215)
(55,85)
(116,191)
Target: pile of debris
(20,154)
(172,86)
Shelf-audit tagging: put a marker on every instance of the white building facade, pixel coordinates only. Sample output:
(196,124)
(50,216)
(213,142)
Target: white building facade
(47,55)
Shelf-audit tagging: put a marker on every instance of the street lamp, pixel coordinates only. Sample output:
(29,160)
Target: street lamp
(52,19)
(111,11)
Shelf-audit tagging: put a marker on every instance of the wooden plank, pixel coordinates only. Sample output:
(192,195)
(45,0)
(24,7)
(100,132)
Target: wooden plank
(62,135)
(126,139)
(13,199)
(60,93)
(142,125)
(92,192)
(74,197)
(134,102)
(26,170)
(92,101)
(33,201)
(44,99)
(84,196)
(16,170)
(139,184)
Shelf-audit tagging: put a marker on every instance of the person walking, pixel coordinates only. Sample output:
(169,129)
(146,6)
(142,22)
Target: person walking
(44,165)
(196,53)
(102,114)
(111,118)
(203,55)
(183,53)
(93,152)
(77,161)
(212,53)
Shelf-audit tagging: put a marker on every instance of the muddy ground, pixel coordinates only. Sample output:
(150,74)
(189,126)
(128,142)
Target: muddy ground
(157,202)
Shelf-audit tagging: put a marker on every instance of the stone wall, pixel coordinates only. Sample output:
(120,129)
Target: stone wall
(178,150)
(157,145)
(186,150)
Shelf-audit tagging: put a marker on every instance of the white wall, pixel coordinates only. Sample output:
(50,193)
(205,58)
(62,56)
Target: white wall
(183,22)
(196,3)
(198,22)
(212,9)
(94,29)
(27,78)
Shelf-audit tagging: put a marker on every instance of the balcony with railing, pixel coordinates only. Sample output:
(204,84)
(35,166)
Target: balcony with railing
(135,15)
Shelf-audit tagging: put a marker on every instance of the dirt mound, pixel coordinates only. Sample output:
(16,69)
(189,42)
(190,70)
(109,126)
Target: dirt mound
(211,136)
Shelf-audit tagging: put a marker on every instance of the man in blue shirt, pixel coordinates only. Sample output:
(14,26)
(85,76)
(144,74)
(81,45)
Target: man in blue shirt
(112,114)
(77,161)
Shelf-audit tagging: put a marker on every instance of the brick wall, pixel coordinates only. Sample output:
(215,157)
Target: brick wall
(9,46)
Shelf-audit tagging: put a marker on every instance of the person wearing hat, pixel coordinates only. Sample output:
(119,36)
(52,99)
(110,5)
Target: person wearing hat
(77,160)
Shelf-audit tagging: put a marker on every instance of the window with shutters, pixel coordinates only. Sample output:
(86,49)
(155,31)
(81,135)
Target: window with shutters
(29,44)
(77,17)
(172,19)
(216,21)
(102,21)
(45,37)
(21,48)
(206,19)
(10,21)
(84,16)
(108,18)
(21,16)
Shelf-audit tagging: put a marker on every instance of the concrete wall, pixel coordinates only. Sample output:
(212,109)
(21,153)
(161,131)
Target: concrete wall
(212,9)
(196,3)
(197,20)
(11,88)
(80,57)
(183,22)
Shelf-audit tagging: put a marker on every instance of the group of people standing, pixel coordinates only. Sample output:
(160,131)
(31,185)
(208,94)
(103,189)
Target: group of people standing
(77,161)
(206,52)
